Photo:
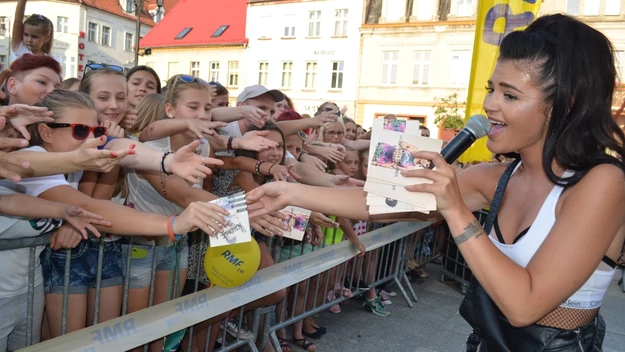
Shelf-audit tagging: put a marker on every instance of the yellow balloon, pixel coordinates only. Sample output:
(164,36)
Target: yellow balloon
(232,265)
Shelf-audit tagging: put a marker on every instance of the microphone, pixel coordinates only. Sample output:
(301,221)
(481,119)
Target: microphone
(477,127)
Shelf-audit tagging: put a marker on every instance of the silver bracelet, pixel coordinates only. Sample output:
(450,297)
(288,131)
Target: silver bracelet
(473,229)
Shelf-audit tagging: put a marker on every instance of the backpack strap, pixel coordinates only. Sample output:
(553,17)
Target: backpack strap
(501,189)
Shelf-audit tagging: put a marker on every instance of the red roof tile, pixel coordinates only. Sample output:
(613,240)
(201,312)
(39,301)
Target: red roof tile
(204,17)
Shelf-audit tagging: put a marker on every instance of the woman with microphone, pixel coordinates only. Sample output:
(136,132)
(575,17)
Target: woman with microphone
(546,256)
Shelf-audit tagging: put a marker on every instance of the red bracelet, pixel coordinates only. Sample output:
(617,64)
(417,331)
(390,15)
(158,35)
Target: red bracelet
(170,228)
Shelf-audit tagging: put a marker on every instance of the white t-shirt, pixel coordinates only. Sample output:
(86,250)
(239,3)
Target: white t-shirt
(144,197)
(14,263)
(21,50)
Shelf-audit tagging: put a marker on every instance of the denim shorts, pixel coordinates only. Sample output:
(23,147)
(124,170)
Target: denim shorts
(143,259)
(83,267)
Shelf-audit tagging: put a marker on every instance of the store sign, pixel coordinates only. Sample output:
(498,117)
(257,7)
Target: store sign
(81,54)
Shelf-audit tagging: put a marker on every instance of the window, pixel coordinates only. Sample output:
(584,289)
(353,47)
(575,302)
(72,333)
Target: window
(287,74)
(263,73)
(337,75)
(572,7)
(612,7)
(289,31)
(421,68)
(233,74)
(106,36)
(591,7)
(195,69)
(130,4)
(129,42)
(390,60)
(620,65)
(4,25)
(219,31)
(72,67)
(314,23)
(460,68)
(311,75)
(183,33)
(425,10)
(92,32)
(214,71)
(172,69)
(465,8)
(61,24)
(60,58)
(3,61)
(340,23)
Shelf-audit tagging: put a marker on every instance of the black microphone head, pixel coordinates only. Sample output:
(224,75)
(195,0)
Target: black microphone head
(478,125)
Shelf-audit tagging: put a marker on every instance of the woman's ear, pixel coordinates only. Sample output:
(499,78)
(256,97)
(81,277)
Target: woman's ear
(45,132)
(169,110)
(12,83)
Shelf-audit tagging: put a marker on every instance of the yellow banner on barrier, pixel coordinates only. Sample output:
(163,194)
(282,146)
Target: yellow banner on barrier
(495,19)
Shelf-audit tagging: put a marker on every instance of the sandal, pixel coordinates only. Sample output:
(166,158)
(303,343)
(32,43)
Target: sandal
(412,264)
(313,335)
(305,344)
(422,274)
(284,345)
(336,309)
(345,292)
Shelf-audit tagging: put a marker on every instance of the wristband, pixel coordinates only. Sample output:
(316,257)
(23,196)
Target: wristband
(272,165)
(230,143)
(257,168)
(170,229)
(299,157)
(163,163)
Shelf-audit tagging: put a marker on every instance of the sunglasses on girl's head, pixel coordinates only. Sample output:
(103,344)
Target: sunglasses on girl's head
(79,131)
(91,67)
(186,79)
(302,135)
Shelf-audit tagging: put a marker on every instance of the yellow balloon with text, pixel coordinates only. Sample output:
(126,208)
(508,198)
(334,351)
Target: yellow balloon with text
(232,265)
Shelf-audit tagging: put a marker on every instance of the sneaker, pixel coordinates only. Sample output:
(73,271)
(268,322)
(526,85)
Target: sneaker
(233,329)
(385,298)
(389,293)
(376,307)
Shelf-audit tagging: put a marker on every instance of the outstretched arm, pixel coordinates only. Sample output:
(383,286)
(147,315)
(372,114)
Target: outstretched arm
(18,24)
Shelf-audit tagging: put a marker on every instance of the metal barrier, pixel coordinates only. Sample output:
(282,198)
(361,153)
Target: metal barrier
(388,250)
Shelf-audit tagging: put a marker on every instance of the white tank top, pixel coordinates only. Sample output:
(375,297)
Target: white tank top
(590,295)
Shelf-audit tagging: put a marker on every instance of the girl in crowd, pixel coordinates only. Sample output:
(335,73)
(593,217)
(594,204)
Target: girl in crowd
(142,81)
(71,84)
(222,96)
(33,36)
(350,129)
(549,102)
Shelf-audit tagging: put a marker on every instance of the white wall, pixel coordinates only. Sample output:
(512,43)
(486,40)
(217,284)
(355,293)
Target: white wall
(267,43)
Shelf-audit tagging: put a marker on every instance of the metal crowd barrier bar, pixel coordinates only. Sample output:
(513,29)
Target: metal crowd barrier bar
(140,328)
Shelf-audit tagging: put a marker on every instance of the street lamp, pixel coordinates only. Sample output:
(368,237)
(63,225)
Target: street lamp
(138,10)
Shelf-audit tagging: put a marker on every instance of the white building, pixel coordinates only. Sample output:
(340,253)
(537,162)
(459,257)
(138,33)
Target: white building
(99,31)
(187,41)
(416,50)
(308,49)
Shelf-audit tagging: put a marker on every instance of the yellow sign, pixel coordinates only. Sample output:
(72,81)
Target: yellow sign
(495,19)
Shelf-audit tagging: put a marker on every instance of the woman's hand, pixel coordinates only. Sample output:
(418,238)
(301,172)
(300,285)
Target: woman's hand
(334,155)
(281,172)
(205,216)
(314,161)
(188,165)
(270,224)
(3,77)
(21,115)
(129,120)
(324,117)
(253,115)
(317,235)
(272,196)
(8,159)
(313,136)
(82,220)
(360,247)
(444,184)
(319,219)
(89,157)
(203,128)
(254,141)
(113,130)
(65,237)
(346,181)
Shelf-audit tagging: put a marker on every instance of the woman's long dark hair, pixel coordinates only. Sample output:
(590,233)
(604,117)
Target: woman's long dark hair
(573,65)
(269,126)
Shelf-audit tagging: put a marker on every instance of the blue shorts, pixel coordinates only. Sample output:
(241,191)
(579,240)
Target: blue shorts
(83,267)
(143,259)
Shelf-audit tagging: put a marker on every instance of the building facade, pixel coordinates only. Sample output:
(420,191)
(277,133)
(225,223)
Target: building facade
(212,47)
(414,51)
(84,32)
(309,50)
